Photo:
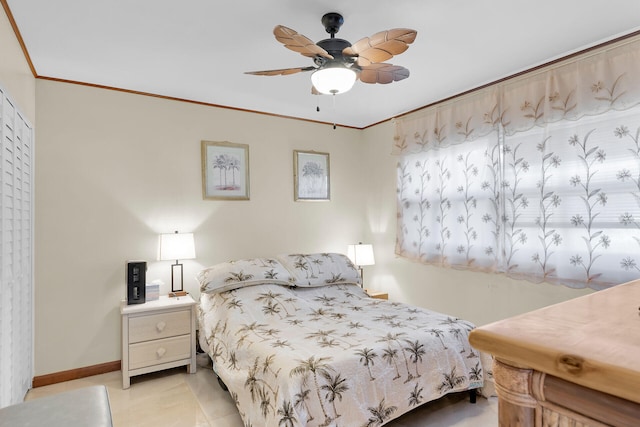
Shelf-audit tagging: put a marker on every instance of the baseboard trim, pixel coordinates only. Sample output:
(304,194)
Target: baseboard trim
(74,374)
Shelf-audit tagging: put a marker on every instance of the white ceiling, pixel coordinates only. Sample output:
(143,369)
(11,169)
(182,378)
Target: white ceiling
(198,50)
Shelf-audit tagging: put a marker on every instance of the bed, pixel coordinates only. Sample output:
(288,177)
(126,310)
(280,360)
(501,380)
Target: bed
(298,342)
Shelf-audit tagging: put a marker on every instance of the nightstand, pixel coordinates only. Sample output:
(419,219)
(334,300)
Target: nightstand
(158,335)
(377,294)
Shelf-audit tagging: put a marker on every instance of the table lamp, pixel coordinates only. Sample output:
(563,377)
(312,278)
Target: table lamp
(177,246)
(361,255)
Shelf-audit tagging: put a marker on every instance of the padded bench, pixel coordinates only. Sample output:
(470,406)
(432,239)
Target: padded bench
(84,407)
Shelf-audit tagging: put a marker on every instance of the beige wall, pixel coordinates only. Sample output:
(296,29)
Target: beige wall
(15,75)
(115,170)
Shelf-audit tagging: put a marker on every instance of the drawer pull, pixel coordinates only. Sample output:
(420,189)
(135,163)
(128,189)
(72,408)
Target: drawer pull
(160,326)
(160,352)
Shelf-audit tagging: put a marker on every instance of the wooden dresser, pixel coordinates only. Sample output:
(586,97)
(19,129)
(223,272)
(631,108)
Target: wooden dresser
(576,363)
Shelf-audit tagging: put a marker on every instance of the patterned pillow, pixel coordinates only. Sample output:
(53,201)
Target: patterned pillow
(245,272)
(310,270)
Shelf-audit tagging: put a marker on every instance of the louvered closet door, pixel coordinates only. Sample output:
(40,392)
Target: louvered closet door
(16,266)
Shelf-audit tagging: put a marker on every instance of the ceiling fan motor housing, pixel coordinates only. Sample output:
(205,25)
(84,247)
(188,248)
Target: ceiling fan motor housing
(334,47)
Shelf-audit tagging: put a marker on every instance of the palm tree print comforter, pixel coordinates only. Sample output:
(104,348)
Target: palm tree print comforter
(299,343)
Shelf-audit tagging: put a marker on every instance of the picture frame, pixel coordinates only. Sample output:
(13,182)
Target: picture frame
(311,176)
(225,170)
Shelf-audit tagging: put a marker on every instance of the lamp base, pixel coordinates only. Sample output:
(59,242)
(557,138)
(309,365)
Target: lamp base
(178,294)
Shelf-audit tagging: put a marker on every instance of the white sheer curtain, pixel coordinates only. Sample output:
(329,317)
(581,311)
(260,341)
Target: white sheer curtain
(537,177)
(16,286)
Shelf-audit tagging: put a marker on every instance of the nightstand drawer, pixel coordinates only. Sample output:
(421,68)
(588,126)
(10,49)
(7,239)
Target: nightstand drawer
(156,352)
(161,325)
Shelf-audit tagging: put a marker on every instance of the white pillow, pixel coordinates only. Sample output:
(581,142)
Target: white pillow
(245,272)
(310,270)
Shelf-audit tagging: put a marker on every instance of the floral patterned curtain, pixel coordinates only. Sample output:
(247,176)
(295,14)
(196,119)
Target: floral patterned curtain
(537,177)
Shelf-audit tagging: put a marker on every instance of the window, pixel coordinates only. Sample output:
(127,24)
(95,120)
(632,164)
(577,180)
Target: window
(537,178)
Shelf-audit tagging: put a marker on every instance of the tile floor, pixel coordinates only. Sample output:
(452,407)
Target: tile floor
(177,399)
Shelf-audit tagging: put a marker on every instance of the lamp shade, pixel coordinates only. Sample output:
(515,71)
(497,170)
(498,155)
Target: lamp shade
(333,80)
(177,246)
(361,254)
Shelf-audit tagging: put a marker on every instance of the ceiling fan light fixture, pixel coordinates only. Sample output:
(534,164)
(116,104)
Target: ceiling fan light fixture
(333,80)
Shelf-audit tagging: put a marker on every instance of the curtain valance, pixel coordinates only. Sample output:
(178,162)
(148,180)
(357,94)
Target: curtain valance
(589,85)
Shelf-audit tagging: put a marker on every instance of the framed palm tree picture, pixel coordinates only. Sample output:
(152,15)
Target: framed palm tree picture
(311,175)
(225,171)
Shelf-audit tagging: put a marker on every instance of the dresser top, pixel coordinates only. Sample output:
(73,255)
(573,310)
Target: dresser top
(164,302)
(593,340)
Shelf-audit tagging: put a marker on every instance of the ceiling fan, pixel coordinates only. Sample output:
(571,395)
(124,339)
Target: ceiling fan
(338,63)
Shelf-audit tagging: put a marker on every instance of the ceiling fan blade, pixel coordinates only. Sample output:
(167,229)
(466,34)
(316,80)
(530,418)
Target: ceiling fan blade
(280,72)
(381,46)
(382,73)
(291,39)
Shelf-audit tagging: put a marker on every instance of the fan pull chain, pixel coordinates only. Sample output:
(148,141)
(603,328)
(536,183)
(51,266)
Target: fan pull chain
(334,111)
(334,108)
